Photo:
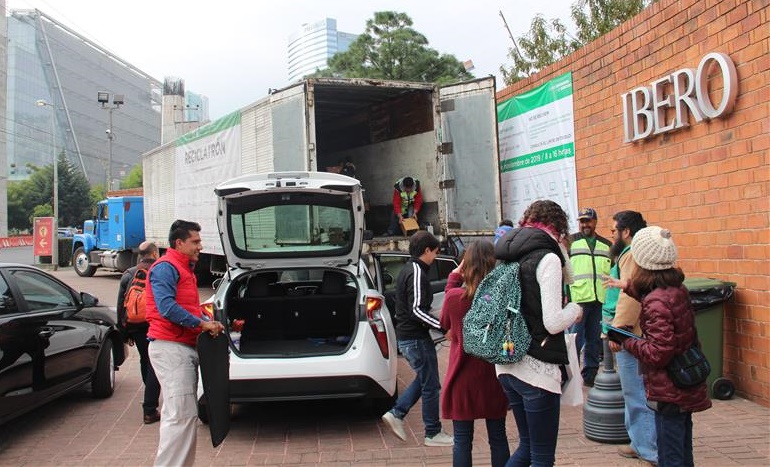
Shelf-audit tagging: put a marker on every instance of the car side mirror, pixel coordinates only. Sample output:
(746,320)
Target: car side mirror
(387,278)
(368,234)
(88,300)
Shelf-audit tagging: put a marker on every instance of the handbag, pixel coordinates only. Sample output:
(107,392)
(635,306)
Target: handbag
(572,389)
(493,329)
(689,368)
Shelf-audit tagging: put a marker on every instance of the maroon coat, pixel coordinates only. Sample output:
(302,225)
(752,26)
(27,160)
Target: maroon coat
(668,325)
(471,389)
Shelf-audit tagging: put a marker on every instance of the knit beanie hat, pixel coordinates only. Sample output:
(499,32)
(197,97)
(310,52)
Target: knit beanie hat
(653,249)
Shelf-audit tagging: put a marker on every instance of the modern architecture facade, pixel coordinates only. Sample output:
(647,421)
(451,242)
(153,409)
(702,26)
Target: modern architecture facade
(311,47)
(48,62)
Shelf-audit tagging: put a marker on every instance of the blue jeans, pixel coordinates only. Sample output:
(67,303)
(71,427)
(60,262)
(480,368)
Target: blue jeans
(674,439)
(394,228)
(536,412)
(640,419)
(463,438)
(589,334)
(421,356)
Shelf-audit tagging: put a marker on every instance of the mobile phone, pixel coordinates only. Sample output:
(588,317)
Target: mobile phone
(624,332)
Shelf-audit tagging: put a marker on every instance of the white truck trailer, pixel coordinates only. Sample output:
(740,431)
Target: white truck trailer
(444,136)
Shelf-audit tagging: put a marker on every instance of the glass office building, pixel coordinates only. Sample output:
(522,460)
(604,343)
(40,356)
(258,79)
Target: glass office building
(54,75)
(313,45)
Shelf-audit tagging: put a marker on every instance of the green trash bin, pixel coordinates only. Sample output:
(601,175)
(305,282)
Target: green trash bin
(707,297)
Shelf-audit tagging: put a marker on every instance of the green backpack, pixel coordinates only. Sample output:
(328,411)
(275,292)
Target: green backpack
(493,329)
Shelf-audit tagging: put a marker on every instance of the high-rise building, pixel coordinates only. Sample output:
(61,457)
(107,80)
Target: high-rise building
(50,63)
(311,47)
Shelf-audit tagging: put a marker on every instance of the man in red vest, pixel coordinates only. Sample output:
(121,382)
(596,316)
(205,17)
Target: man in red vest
(175,319)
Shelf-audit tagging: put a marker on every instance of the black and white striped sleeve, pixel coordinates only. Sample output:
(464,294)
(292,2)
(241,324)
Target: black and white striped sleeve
(421,298)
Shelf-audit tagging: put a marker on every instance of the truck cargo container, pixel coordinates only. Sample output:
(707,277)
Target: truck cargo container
(444,136)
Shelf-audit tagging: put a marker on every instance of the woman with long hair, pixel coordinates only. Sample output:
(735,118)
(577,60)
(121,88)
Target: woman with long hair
(471,390)
(667,320)
(533,385)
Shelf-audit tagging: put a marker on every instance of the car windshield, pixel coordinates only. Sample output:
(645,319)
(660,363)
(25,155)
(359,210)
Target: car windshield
(291,225)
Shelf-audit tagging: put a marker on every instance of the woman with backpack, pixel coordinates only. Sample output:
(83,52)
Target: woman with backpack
(533,384)
(471,390)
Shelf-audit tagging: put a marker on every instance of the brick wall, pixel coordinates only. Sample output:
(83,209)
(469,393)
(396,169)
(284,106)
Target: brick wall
(709,182)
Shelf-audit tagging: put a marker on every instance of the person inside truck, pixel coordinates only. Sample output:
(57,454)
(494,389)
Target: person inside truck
(407,202)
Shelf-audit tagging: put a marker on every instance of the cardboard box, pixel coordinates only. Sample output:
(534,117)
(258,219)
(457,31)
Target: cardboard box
(409,226)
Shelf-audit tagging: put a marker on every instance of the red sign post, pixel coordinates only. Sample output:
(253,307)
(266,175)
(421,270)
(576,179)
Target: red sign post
(42,236)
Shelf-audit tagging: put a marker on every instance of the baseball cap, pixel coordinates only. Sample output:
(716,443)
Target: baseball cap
(587,213)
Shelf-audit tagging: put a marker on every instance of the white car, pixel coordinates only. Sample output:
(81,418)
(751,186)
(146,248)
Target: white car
(302,314)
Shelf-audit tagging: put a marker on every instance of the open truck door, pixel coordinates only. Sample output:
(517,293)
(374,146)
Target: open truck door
(468,147)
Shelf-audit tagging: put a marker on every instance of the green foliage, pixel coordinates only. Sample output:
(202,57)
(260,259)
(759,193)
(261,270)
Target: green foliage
(390,49)
(97,193)
(548,41)
(134,178)
(41,210)
(34,197)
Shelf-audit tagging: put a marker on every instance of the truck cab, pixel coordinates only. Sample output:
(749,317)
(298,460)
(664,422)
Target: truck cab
(111,239)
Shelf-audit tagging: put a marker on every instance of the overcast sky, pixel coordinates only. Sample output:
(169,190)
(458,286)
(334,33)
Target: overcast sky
(234,50)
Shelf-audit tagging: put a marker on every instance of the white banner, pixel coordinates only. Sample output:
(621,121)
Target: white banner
(203,159)
(537,149)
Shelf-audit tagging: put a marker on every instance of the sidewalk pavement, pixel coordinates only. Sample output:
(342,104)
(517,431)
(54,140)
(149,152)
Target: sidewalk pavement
(77,430)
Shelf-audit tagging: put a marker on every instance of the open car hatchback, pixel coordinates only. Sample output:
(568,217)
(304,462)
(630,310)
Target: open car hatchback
(302,315)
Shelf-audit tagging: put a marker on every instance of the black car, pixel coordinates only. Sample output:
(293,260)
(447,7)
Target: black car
(53,340)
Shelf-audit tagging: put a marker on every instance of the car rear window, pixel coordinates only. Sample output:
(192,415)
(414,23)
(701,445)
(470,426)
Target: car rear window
(292,225)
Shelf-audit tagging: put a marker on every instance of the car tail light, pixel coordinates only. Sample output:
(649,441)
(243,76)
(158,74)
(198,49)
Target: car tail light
(374,315)
(208,309)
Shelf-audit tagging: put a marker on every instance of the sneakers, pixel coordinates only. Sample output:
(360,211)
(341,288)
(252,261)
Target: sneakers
(439,439)
(396,425)
(628,452)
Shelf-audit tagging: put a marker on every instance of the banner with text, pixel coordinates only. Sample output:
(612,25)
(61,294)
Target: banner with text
(537,149)
(205,158)
(42,236)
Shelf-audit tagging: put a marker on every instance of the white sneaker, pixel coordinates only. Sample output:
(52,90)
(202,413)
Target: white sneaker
(439,439)
(395,424)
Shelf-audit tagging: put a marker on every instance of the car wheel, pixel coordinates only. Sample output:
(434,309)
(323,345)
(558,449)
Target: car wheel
(103,381)
(80,263)
(203,415)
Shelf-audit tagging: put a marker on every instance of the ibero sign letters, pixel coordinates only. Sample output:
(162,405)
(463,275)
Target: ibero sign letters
(644,108)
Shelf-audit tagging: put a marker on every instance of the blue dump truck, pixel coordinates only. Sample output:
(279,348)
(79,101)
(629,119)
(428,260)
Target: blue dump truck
(112,238)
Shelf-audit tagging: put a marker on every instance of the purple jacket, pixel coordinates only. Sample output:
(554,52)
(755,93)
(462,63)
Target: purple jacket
(668,327)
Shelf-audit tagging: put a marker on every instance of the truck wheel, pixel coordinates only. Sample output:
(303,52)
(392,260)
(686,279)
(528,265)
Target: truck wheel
(80,263)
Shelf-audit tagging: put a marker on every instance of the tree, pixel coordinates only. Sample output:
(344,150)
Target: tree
(29,198)
(390,49)
(134,178)
(548,41)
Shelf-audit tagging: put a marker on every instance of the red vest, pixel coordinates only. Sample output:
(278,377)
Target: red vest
(186,296)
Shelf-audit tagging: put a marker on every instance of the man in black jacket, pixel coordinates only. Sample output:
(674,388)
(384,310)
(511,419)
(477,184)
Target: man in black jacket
(413,323)
(136,333)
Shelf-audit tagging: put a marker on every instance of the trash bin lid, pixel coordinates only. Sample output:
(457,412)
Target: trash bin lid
(705,292)
(699,284)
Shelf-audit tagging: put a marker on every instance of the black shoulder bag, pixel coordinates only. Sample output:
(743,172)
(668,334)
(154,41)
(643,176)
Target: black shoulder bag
(691,368)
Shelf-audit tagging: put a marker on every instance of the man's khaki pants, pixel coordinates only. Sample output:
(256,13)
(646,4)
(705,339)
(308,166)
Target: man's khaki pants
(176,366)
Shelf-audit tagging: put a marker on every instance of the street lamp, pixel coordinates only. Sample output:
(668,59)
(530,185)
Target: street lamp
(55,242)
(103,97)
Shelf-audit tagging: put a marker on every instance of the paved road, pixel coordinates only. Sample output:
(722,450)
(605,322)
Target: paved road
(78,430)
